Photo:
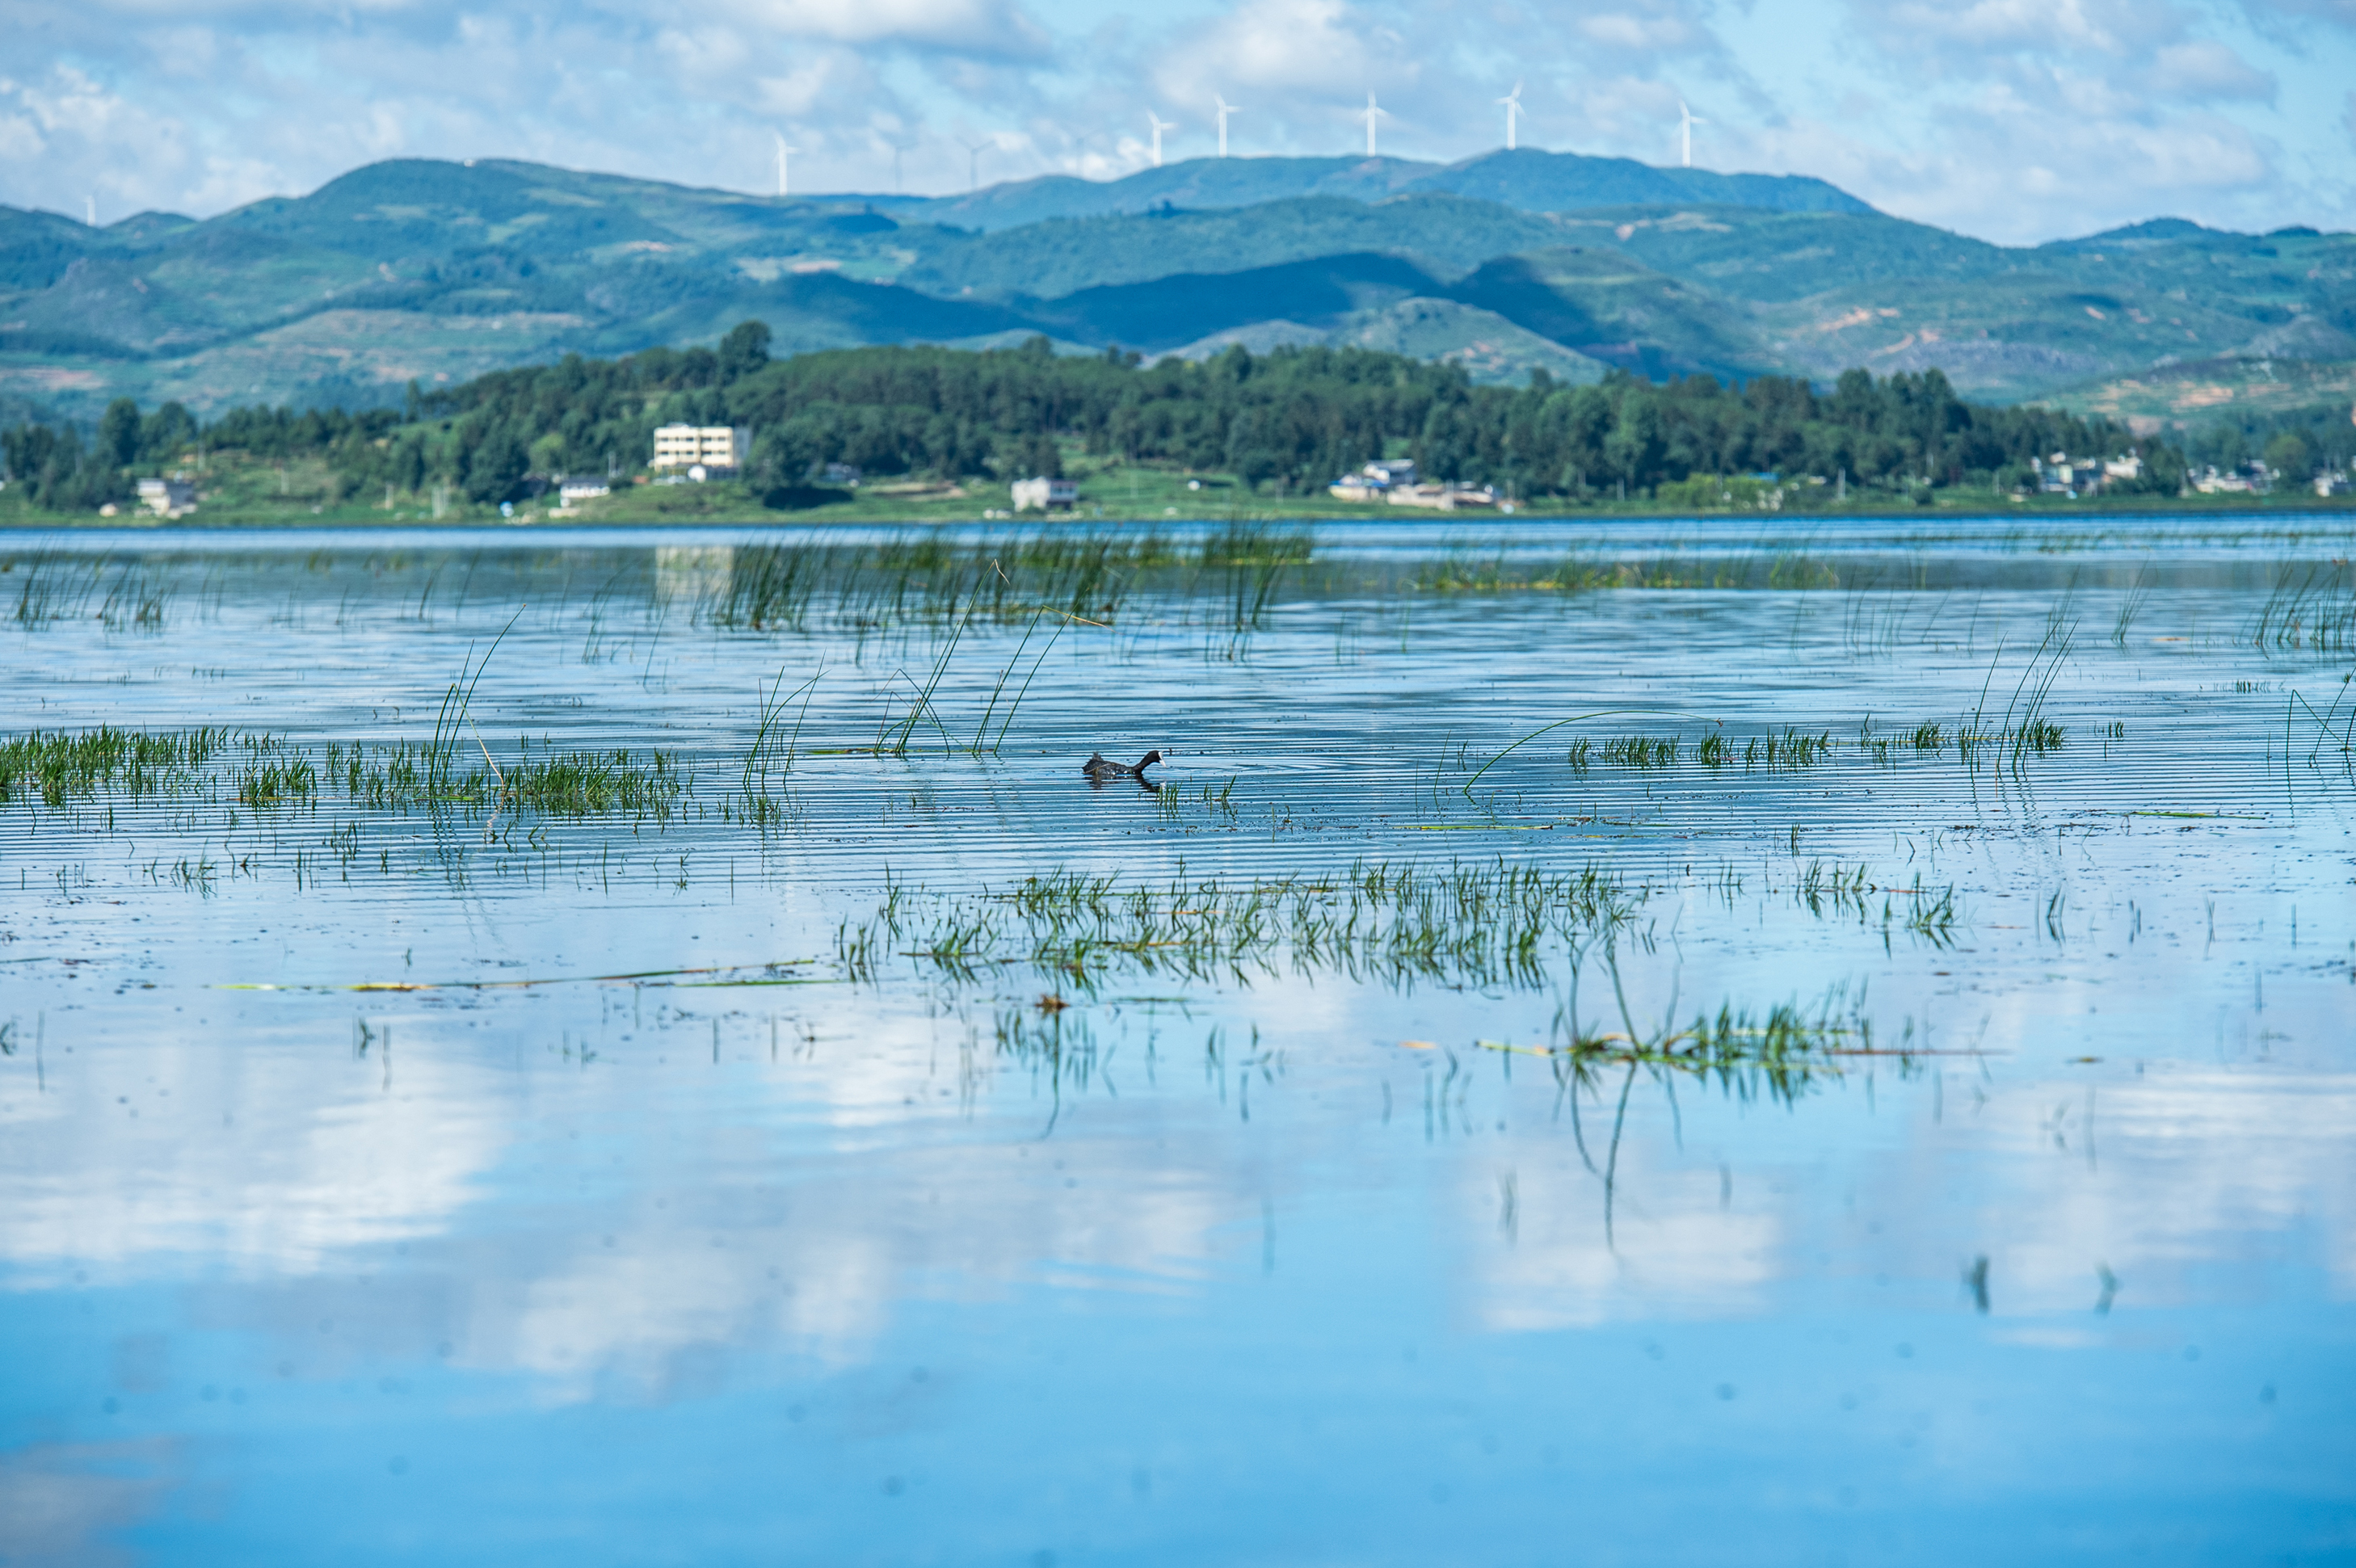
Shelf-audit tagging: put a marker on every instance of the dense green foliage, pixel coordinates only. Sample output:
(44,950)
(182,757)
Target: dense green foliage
(2293,442)
(1287,421)
(63,475)
(1284,423)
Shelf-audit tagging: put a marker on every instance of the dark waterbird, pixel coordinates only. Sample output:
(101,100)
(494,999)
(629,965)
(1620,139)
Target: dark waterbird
(1099,767)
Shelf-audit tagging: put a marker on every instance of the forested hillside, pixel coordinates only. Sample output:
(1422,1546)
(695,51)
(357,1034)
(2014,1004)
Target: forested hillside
(1281,424)
(414,270)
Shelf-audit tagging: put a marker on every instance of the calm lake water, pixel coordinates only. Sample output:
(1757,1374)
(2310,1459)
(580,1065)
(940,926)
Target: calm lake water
(838,1133)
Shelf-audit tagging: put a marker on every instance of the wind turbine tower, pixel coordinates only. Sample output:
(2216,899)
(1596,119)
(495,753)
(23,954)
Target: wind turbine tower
(1687,120)
(973,151)
(898,149)
(1513,102)
(1374,112)
(784,167)
(1226,108)
(1159,125)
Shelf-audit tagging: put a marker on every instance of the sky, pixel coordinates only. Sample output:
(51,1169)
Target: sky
(2018,120)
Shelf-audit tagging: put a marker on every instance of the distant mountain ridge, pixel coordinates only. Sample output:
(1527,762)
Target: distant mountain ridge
(437,272)
(1527,179)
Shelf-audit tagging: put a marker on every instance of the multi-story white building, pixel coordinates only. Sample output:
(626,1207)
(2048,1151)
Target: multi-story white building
(715,448)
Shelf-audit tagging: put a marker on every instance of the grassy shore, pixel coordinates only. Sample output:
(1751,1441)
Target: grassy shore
(237,493)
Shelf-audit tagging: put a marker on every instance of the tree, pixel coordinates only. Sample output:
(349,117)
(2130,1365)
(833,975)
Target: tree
(118,433)
(496,467)
(2288,455)
(744,350)
(163,433)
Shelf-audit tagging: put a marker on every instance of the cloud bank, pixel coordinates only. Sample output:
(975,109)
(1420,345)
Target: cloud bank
(2016,119)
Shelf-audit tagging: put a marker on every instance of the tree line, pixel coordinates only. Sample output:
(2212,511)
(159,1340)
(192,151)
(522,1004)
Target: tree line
(1285,421)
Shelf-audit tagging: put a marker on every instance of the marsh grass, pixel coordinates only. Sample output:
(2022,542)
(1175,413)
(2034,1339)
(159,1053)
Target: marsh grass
(929,581)
(2312,609)
(58,766)
(1790,749)
(1642,752)
(262,772)
(1471,924)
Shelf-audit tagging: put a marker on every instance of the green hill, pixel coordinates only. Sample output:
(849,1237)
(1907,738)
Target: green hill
(416,270)
(1610,307)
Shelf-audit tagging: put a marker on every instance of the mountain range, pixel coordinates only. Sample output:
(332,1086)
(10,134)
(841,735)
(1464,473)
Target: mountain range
(1507,262)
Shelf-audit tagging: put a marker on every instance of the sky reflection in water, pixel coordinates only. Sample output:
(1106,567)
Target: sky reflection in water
(914,1270)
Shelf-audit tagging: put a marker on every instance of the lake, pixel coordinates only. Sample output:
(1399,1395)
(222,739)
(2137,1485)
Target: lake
(1643,1042)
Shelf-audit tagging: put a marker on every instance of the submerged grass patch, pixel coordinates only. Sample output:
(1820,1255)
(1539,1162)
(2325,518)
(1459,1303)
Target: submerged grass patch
(266,772)
(1474,924)
(57,765)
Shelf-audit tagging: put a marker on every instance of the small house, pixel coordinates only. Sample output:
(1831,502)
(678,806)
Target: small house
(1046,494)
(168,497)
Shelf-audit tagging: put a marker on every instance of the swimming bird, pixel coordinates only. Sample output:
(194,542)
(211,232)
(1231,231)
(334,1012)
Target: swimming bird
(1099,767)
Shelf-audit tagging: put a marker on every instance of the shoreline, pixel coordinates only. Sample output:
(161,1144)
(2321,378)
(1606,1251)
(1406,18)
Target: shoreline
(751,513)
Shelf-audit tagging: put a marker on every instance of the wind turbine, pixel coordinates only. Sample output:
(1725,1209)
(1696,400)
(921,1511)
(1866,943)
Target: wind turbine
(1513,102)
(1226,108)
(899,147)
(973,151)
(784,168)
(1689,123)
(1159,125)
(1374,112)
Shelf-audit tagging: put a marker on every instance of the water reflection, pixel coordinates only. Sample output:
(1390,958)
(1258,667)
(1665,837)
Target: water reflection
(1301,1132)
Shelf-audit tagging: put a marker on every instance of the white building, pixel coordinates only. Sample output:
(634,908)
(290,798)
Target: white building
(168,497)
(2073,476)
(571,492)
(1045,494)
(2212,482)
(1443,497)
(1374,480)
(717,449)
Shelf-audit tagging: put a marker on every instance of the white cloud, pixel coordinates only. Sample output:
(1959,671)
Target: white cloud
(985,28)
(2013,119)
(2204,68)
(1633,31)
(1314,47)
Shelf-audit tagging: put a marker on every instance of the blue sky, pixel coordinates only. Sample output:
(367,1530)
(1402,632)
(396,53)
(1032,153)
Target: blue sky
(2015,119)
